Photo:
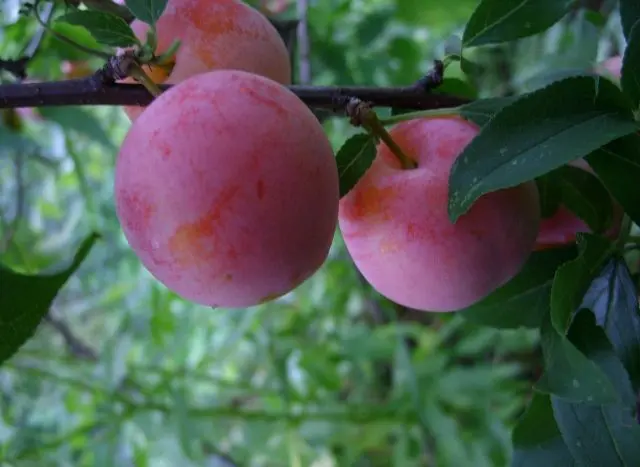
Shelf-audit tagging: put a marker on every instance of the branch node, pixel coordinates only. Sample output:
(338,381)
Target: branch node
(117,68)
(358,111)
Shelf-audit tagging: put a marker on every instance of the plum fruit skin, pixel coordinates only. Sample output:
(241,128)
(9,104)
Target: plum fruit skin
(396,226)
(226,188)
(215,34)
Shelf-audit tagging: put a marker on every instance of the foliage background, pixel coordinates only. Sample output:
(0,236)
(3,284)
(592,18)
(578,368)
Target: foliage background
(126,373)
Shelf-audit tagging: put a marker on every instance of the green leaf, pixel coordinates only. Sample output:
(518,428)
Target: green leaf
(106,28)
(629,15)
(25,300)
(437,16)
(64,51)
(618,166)
(147,11)
(596,18)
(584,195)
(550,196)
(495,21)
(612,298)
(483,110)
(572,279)
(569,374)
(354,158)
(525,299)
(539,132)
(606,434)
(79,120)
(536,438)
(456,87)
(630,74)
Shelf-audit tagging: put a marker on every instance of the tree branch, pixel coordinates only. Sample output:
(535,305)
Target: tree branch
(90,91)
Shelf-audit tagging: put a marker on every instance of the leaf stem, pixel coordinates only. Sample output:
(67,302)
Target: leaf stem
(443,112)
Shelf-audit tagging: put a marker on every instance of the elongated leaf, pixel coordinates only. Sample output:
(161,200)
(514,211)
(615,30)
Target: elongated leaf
(618,166)
(629,15)
(105,28)
(483,110)
(536,438)
(524,300)
(607,434)
(539,132)
(550,195)
(569,374)
(147,11)
(25,300)
(612,298)
(495,21)
(354,158)
(583,194)
(572,279)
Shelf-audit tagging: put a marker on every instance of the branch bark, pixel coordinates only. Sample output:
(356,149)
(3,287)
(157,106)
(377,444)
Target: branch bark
(89,91)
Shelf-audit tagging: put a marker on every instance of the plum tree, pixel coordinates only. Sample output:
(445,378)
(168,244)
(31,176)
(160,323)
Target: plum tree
(226,188)
(396,227)
(215,34)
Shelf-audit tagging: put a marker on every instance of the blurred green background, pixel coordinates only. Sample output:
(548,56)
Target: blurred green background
(125,373)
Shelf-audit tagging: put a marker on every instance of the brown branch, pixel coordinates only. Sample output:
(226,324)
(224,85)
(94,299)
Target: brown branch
(90,91)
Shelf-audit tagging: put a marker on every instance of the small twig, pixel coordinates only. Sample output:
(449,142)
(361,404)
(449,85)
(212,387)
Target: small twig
(77,348)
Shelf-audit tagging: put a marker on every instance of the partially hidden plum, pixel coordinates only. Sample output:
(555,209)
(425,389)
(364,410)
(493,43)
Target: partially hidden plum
(215,34)
(226,188)
(396,226)
(562,227)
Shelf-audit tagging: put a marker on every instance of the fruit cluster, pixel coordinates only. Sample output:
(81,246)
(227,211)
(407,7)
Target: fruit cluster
(226,186)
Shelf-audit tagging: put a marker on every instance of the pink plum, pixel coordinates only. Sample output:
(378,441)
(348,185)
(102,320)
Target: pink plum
(215,34)
(226,188)
(396,226)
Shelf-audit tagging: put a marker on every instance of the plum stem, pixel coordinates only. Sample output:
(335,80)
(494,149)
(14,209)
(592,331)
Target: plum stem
(139,75)
(375,127)
(442,112)
(362,114)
